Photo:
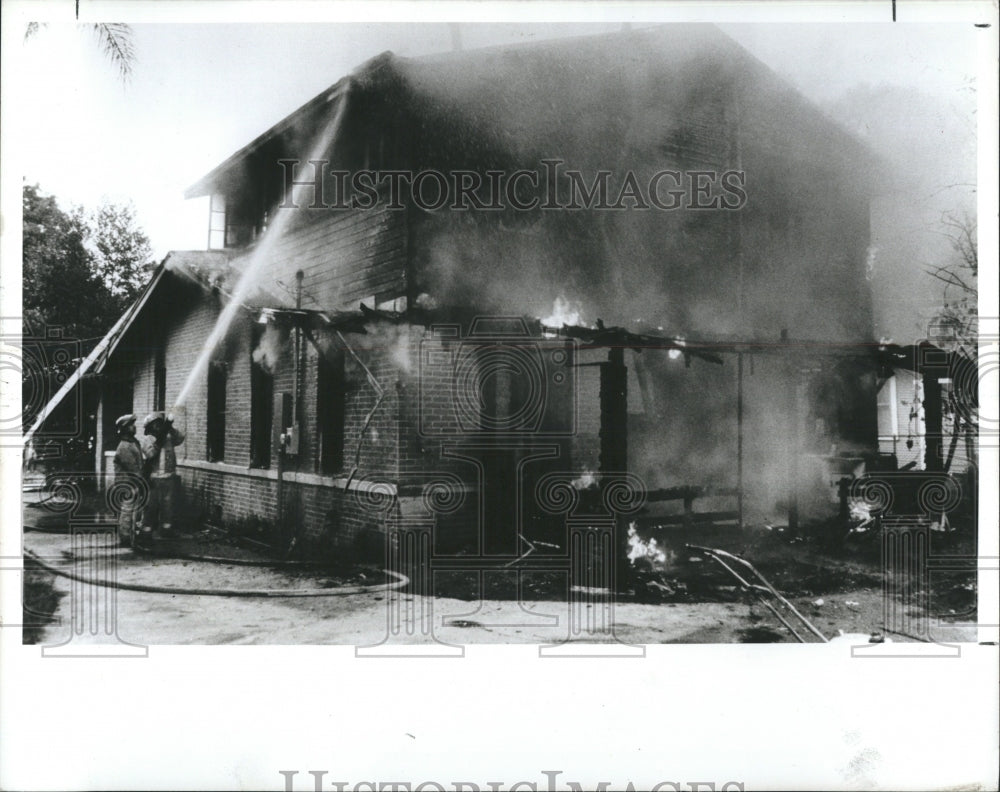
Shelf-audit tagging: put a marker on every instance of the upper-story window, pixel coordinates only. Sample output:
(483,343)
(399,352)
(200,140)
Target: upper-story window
(243,223)
(216,222)
(240,215)
(232,223)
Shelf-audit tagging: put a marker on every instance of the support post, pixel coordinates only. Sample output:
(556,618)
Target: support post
(933,421)
(795,445)
(614,445)
(739,436)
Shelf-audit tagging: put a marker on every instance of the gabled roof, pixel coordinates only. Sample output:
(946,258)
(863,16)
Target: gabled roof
(561,97)
(205,185)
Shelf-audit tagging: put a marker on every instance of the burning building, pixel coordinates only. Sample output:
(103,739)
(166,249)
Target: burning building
(638,252)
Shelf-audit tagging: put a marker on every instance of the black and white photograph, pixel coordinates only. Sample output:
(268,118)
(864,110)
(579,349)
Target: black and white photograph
(576,362)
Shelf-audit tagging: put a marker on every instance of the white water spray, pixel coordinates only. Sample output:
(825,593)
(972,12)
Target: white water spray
(259,257)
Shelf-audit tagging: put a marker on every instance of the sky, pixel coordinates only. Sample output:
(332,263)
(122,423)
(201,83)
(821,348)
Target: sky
(201,91)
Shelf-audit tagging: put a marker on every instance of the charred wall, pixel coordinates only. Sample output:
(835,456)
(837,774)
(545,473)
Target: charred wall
(789,263)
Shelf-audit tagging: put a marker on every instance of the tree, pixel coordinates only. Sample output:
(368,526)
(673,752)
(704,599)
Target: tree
(60,285)
(65,305)
(957,323)
(80,273)
(121,251)
(956,328)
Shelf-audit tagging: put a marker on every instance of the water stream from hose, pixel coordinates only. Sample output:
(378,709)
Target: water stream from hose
(261,255)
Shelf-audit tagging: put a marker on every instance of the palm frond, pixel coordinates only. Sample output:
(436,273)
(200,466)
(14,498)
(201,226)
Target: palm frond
(32,29)
(115,39)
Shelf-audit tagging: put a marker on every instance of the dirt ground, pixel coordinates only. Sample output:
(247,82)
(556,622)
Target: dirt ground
(688,599)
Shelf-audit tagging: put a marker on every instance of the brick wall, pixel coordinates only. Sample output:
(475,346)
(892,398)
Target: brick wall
(325,519)
(316,510)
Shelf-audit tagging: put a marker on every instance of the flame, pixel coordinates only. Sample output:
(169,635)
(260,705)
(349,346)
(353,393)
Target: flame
(675,354)
(860,511)
(637,548)
(563,312)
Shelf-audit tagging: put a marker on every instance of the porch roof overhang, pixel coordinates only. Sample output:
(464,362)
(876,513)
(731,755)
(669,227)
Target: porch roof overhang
(709,350)
(94,363)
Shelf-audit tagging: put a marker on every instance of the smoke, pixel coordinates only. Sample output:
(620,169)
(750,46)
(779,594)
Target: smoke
(674,97)
(812,255)
(272,348)
(211,268)
(390,339)
(381,343)
(927,145)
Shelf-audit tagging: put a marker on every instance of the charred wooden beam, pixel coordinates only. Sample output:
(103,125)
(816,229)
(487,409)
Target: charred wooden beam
(694,518)
(890,356)
(601,336)
(688,491)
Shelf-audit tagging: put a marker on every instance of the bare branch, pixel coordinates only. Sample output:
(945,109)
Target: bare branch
(946,275)
(951,186)
(963,239)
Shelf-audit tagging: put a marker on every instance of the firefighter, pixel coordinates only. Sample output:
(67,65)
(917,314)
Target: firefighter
(128,464)
(160,439)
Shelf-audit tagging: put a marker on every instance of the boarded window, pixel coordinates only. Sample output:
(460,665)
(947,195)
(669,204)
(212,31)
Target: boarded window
(216,411)
(160,379)
(330,392)
(261,409)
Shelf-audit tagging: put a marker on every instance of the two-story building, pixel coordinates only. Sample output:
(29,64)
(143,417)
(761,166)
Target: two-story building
(386,354)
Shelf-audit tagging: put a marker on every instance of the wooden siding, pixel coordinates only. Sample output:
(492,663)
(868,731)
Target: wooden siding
(345,256)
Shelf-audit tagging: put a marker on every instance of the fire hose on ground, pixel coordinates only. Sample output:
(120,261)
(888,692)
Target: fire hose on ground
(401,582)
(759,589)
